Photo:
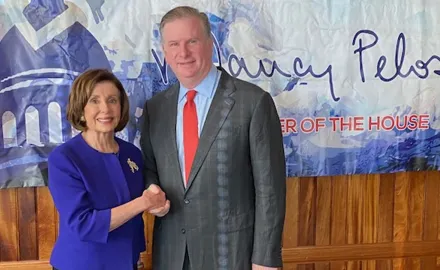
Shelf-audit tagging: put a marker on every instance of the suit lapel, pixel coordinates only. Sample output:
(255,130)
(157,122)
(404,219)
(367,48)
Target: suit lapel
(169,130)
(221,105)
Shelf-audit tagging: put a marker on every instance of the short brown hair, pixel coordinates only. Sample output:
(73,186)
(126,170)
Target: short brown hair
(185,12)
(81,91)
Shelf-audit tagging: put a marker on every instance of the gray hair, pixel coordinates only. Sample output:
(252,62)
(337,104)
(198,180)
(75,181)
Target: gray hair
(185,12)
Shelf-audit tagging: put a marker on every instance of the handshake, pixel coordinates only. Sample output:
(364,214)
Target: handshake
(155,201)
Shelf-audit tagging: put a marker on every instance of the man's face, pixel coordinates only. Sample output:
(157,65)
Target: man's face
(188,50)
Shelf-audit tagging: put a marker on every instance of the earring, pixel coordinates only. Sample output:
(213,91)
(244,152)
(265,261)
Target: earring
(82,119)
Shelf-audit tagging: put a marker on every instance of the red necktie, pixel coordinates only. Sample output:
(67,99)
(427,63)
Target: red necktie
(190,132)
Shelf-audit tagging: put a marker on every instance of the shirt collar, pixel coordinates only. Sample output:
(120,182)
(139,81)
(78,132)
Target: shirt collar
(206,87)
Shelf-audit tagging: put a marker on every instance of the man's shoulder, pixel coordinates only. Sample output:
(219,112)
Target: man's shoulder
(246,92)
(162,94)
(245,87)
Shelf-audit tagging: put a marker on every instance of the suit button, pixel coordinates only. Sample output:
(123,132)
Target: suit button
(186,201)
(183,231)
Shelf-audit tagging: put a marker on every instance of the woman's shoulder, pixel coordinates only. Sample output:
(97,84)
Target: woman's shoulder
(127,146)
(68,148)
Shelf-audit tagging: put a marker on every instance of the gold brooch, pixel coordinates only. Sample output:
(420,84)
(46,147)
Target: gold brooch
(133,166)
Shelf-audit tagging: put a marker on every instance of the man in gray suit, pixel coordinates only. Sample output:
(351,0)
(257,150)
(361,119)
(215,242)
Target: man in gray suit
(213,144)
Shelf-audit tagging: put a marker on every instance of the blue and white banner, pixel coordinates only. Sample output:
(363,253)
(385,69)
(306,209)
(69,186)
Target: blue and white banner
(356,83)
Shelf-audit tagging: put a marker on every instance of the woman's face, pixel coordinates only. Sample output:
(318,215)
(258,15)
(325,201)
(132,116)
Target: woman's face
(103,109)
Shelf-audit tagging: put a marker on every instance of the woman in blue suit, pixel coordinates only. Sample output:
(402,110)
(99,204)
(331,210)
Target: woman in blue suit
(96,182)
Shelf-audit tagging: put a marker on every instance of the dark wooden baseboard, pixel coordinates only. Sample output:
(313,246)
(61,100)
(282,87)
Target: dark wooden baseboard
(306,254)
(359,252)
(26,265)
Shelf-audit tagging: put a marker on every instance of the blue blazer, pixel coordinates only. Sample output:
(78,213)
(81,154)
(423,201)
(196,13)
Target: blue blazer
(85,184)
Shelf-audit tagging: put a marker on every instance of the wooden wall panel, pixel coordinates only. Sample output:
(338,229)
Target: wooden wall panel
(47,223)
(323,217)
(367,265)
(387,221)
(430,218)
(338,210)
(26,225)
(8,225)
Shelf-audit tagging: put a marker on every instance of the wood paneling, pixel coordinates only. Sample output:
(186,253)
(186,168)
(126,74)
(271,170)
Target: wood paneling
(387,221)
(358,252)
(9,225)
(47,223)
(389,264)
(26,224)
(26,265)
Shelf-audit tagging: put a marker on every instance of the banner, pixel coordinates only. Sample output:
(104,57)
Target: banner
(356,83)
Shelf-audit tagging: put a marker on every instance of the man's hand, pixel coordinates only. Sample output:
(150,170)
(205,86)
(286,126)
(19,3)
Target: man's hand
(163,209)
(153,198)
